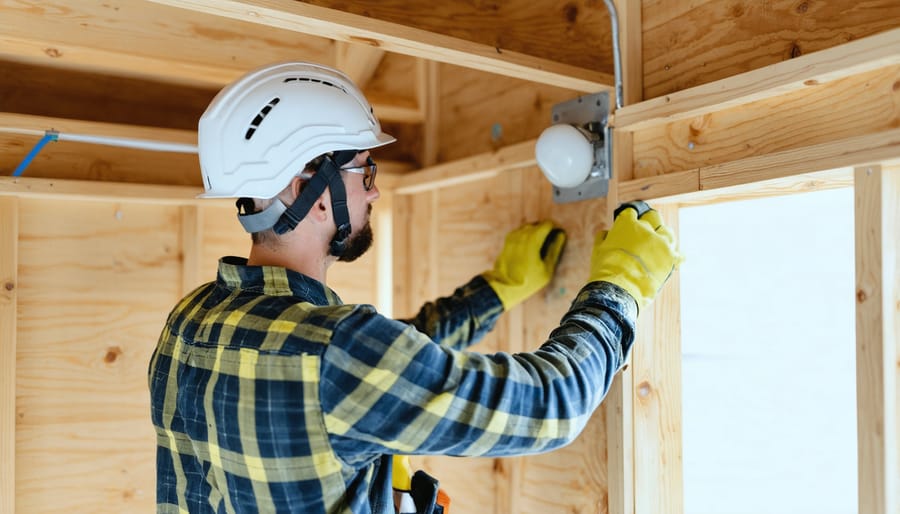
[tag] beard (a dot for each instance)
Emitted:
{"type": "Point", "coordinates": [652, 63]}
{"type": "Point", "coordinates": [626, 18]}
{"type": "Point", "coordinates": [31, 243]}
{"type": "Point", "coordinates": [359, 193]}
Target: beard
{"type": "Point", "coordinates": [358, 244]}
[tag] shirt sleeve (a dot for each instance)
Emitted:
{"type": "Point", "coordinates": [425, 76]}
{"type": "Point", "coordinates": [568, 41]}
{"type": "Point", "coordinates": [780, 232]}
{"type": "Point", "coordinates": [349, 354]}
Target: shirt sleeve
{"type": "Point", "coordinates": [462, 319]}
{"type": "Point", "coordinates": [387, 388]}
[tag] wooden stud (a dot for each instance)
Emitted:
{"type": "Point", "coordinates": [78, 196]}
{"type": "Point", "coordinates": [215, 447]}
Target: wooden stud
{"type": "Point", "coordinates": [9, 244]}
{"type": "Point", "coordinates": [428, 98]}
{"type": "Point", "coordinates": [619, 409]}
{"type": "Point", "coordinates": [658, 481]}
{"type": "Point", "coordinates": [619, 403]}
{"type": "Point", "coordinates": [877, 205]}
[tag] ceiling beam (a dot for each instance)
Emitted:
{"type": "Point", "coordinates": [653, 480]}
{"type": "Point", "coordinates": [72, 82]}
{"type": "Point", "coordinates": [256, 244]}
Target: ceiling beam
{"type": "Point", "coordinates": [180, 47]}
{"type": "Point", "coordinates": [320, 21]}
{"type": "Point", "coordinates": [808, 71]}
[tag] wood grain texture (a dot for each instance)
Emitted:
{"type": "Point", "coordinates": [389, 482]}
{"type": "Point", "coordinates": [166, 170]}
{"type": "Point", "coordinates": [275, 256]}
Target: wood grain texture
{"type": "Point", "coordinates": [9, 282]}
{"type": "Point", "coordinates": [27, 187]}
{"type": "Point", "coordinates": [877, 223]}
{"type": "Point", "coordinates": [479, 115]}
{"type": "Point", "coordinates": [689, 43]}
{"type": "Point", "coordinates": [66, 160]}
{"type": "Point", "coordinates": [97, 280]}
{"type": "Point", "coordinates": [855, 106]}
{"type": "Point", "coordinates": [656, 364]}
{"type": "Point", "coordinates": [853, 58]}
{"type": "Point", "coordinates": [191, 241]}
{"type": "Point", "coordinates": [117, 37]}
{"type": "Point", "coordinates": [414, 41]}
{"type": "Point", "coordinates": [89, 96]}
{"type": "Point", "coordinates": [359, 61]}
{"type": "Point", "coordinates": [572, 32]}
{"type": "Point", "coordinates": [464, 241]}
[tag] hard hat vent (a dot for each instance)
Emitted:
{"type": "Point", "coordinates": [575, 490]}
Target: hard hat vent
{"type": "Point", "coordinates": [317, 81]}
{"type": "Point", "coordinates": [260, 116]}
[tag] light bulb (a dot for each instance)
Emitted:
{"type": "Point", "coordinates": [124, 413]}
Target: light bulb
{"type": "Point", "coordinates": [565, 155]}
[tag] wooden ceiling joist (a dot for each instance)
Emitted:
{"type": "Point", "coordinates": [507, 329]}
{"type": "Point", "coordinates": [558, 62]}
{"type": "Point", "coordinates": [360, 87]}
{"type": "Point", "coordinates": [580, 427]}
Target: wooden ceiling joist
{"type": "Point", "coordinates": [181, 47]}
{"type": "Point", "coordinates": [340, 25]}
{"type": "Point", "coordinates": [853, 58]}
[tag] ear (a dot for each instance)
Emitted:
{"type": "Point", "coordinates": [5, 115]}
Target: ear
{"type": "Point", "coordinates": [296, 186]}
{"type": "Point", "coordinates": [321, 210]}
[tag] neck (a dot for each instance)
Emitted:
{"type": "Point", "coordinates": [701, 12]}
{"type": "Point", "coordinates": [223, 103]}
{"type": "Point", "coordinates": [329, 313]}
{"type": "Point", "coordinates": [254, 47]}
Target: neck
{"type": "Point", "coordinates": [288, 252]}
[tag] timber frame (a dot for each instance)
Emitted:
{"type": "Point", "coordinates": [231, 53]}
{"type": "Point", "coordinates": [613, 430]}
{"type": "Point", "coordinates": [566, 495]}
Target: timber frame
{"type": "Point", "coordinates": [734, 125]}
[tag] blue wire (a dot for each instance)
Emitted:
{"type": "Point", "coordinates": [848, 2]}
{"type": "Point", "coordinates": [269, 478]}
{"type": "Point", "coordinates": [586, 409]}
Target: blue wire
{"type": "Point", "coordinates": [48, 136]}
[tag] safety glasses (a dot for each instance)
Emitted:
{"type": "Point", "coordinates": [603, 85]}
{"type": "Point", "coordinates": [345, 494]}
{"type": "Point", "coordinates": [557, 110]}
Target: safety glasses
{"type": "Point", "coordinates": [368, 172]}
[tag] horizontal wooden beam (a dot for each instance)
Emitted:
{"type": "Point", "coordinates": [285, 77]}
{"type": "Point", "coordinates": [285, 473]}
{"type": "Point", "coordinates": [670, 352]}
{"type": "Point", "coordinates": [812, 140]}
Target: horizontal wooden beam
{"type": "Point", "coordinates": [813, 70]}
{"type": "Point", "coordinates": [765, 175]}
{"type": "Point", "coordinates": [343, 26]}
{"type": "Point", "coordinates": [790, 170]}
{"type": "Point", "coordinates": [853, 151]}
{"type": "Point", "coordinates": [471, 169]}
{"type": "Point", "coordinates": [26, 124]}
{"type": "Point", "coordinates": [88, 190]}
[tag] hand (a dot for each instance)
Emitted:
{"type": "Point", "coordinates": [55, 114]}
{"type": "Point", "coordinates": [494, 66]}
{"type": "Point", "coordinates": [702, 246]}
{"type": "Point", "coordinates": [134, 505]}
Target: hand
{"type": "Point", "coordinates": [527, 262]}
{"type": "Point", "coordinates": [637, 255]}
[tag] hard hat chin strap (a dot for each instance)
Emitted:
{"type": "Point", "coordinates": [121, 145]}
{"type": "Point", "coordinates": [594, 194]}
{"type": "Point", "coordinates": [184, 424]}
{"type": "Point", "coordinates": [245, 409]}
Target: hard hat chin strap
{"type": "Point", "coordinates": [327, 175]}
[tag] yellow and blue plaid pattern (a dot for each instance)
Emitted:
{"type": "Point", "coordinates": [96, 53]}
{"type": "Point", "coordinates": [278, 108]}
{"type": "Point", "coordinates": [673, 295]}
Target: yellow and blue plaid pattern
{"type": "Point", "coordinates": [269, 395]}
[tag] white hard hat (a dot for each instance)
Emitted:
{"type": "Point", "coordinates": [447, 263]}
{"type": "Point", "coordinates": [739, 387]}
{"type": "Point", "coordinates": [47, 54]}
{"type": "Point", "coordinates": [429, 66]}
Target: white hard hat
{"type": "Point", "coordinates": [260, 131]}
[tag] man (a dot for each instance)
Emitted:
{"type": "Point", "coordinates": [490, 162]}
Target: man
{"type": "Point", "coordinates": [270, 395]}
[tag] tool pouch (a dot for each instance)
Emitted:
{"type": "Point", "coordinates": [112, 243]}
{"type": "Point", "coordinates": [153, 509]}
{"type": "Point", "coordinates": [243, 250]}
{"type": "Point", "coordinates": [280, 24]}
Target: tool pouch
{"type": "Point", "coordinates": [428, 496]}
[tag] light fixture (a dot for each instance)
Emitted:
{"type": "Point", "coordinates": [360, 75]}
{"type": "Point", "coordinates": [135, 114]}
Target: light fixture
{"type": "Point", "coordinates": [575, 153]}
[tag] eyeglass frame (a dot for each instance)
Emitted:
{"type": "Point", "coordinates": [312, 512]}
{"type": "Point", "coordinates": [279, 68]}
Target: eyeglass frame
{"type": "Point", "coordinates": [368, 179]}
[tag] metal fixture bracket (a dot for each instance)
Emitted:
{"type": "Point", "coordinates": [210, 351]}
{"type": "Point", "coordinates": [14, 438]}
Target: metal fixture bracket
{"type": "Point", "coordinates": [591, 113]}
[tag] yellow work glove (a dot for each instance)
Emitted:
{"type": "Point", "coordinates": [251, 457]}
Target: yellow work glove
{"type": "Point", "coordinates": [637, 255]}
{"type": "Point", "coordinates": [401, 474]}
{"type": "Point", "coordinates": [526, 263]}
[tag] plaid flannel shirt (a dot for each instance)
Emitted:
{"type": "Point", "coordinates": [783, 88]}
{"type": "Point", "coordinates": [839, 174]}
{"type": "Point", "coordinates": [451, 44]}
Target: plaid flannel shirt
{"type": "Point", "coordinates": [270, 395]}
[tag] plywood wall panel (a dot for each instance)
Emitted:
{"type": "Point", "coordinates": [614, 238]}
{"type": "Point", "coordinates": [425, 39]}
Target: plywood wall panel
{"type": "Point", "coordinates": [691, 42]}
{"type": "Point", "coordinates": [573, 478]}
{"type": "Point", "coordinates": [222, 235]}
{"type": "Point", "coordinates": [479, 115]}
{"type": "Point", "coordinates": [473, 221]}
{"type": "Point", "coordinates": [857, 105]}
{"type": "Point", "coordinates": [97, 280]}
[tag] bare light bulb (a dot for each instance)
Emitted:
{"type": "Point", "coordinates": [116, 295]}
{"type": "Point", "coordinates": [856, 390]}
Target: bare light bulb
{"type": "Point", "coordinates": [565, 155]}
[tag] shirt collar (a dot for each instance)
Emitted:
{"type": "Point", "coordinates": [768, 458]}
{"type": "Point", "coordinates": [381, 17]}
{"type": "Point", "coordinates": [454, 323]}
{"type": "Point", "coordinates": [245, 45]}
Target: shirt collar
{"type": "Point", "coordinates": [234, 273]}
